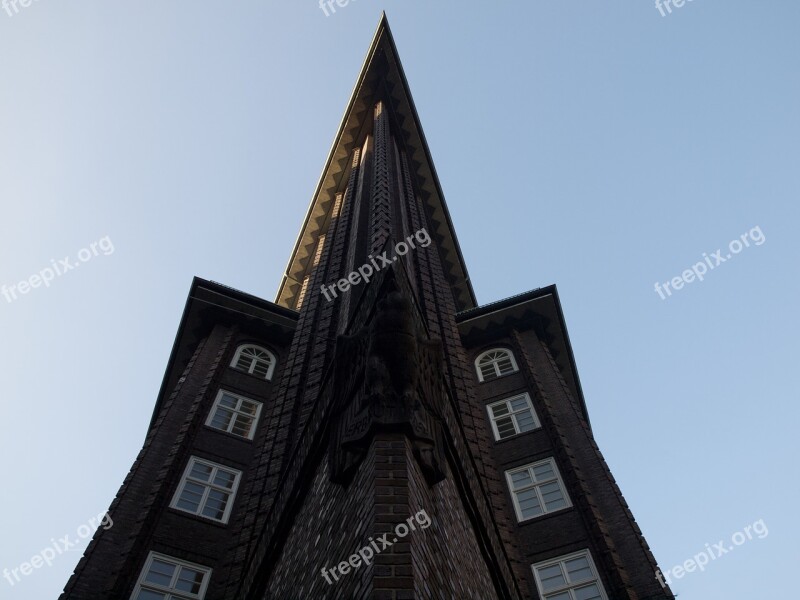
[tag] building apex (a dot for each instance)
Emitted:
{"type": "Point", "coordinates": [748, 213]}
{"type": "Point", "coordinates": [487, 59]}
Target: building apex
{"type": "Point", "coordinates": [382, 76]}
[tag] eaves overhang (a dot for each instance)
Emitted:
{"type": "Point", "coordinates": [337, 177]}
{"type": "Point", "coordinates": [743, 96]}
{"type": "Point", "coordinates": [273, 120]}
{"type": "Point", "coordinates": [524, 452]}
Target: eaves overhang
{"type": "Point", "coordinates": [208, 304]}
{"type": "Point", "coordinates": [537, 307]}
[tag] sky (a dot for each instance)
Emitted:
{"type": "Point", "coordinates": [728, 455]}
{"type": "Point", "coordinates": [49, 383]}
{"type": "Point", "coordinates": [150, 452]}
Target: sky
{"type": "Point", "coordinates": [599, 146]}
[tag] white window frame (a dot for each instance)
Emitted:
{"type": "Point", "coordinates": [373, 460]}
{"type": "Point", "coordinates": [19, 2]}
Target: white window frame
{"type": "Point", "coordinates": [570, 586]}
{"type": "Point", "coordinates": [236, 411]}
{"type": "Point", "coordinates": [513, 414]}
{"type": "Point", "coordinates": [208, 486]}
{"type": "Point", "coordinates": [535, 486]}
{"type": "Point", "coordinates": [242, 348]}
{"type": "Point", "coordinates": [483, 354]}
{"type": "Point", "coordinates": [172, 593]}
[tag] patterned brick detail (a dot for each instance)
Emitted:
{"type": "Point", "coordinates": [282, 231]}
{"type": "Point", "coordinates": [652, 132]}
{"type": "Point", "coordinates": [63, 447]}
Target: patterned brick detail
{"type": "Point", "coordinates": [298, 387]}
{"type": "Point", "coordinates": [380, 221]}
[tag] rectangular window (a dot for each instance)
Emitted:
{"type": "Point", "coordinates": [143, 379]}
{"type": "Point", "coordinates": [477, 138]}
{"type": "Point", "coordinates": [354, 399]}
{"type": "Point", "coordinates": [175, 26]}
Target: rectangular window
{"type": "Point", "coordinates": [207, 490]}
{"type": "Point", "coordinates": [512, 416]}
{"type": "Point", "coordinates": [234, 414]}
{"type": "Point", "coordinates": [572, 577]}
{"type": "Point", "coordinates": [167, 578]}
{"type": "Point", "coordinates": [537, 489]}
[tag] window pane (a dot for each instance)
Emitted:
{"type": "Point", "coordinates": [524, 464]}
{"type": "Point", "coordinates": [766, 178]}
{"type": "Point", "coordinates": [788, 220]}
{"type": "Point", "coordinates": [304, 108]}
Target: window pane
{"type": "Point", "coordinates": [150, 595]}
{"type": "Point", "coordinates": [504, 365]}
{"type": "Point", "coordinates": [189, 580]}
{"type": "Point", "coordinates": [555, 504]}
{"type": "Point", "coordinates": [228, 401]}
{"type": "Point", "coordinates": [553, 497]}
{"type": "Point", "coordinates": [191, 496]}
{"type": "Point", "coordinates": [200, 471]}
{"type": "Point", "coordinates": [160, 573]}
{"type": "Point", "coordinates": [498, 410]}
{"type": "Point", "coordinates": [505, 427]}
{"type": "Point", "coordinates": [224, 479]}
{"type": "Point", "coordinates": [261, 368]}
{"type": "Point", "coordinates": [590, 592]}
{"type": "Point", "coordinates": [544, 472]}
{"type": "Point", "coordinates": [254, 352]}
{"type": "Point", "coordinates": [578, 569]}
{"type": "Point", "coordinates": [529, 504]}
{"type": "Point", "coordinates": [525, 421]}
{"type": "Point", "coordinates": [559, 596]}
{"type": "Point", "coordinates": [548, 489]}
{"type": "Point", "coordinates": [487, 359]}
{"type": "Point", "coordinates": [215, 505]}
{"type": "Point", "coordinates": [488, 371]}
{"type": "Point", "coordinates": [248, 408]}
{"type": "Point", "coordinates": [520, 479]}
{"type": "Point", "coordinates": [519, 404]}
{"type": "Point", "coordinates": [222, 419]}
{"type": "Point", "coordinates": [242, 426]}
{"type": "Point", "coordinates": [218, 495]}
{"type": "Point", "coordinates": [552, 577]}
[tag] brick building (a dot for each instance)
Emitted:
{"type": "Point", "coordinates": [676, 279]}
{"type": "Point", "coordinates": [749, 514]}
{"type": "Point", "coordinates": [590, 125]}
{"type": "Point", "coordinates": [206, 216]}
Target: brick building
{"type": "Point", "coordinates": [374, 433]}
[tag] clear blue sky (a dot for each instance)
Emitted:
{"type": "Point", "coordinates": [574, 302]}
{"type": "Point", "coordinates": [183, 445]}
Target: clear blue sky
{"type": "Point", "coordinates": [595, 145]}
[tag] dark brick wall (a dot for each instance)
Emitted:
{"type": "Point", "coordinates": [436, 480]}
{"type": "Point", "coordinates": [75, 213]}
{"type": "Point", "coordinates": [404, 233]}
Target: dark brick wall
{"type": "Point", "coordinates": [289, 521]}
{"type": "Point", "coordinates": [143, 521]}
{"type": "Point", "coordinates": [441, 561]}
{"type": "Point", "coordinates": [333, 523]}
{"type": "Point", "coordinates": [370, 199]}
{"type": "Point", "coordinates": [446, 556]}
{"type": "Point", "coordinates": [599, 519]}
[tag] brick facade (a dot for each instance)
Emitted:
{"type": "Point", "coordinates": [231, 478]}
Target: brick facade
{"type": "Point", "coordinates": [374, 414]}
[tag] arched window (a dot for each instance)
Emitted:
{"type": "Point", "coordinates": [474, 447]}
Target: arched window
{"type": "Point", "coordinates": [495, 363]}
{"type": "Point", "coordinates": [255, 360]}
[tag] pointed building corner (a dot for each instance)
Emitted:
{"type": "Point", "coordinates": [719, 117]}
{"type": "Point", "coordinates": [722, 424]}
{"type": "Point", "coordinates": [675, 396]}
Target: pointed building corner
{"type": "Point", "coordinates": [381, 77]}
{"type": "Point", "coordinates": [373, 403]}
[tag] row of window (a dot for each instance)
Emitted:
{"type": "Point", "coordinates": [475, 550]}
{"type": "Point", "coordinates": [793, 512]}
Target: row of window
{"type": "Point", "coordinates": [260, 362]}
{"type": "Point", "coordinates": [208, 489]}
{"type": "Point", "coordinates": [238, 415]}
{"type": "Point", "coordinates": [571, 577]}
